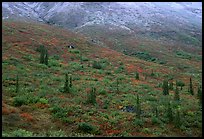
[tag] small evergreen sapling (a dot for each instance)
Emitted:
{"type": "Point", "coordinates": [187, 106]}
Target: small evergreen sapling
{"type": "Point", "coordinates": [199, 95]}
{"type": "Point", "coordinates": [66, 85]}
{"type": "Point", "coordinates": [17, 85]}
{"type": "Point", "coordinates": [137, 75]}
{"type": "Point", "coordinates": [191, 87]}
{"type": "Point", "coordinates": [165, 87]}
{"type": "Point", "coordinates": [177, 97]}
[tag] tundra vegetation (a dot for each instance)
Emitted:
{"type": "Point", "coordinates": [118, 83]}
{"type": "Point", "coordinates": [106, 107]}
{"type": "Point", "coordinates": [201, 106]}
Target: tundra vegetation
{"type": "Point", "coordinates": [92, 90]}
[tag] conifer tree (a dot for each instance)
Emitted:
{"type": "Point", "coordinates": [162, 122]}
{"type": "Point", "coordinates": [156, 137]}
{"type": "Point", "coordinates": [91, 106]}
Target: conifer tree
{"type": "Point", "coordinates": [17, 85]}
{"type": "Point", "coordinates": [191, 87]}
{"type": "Point", "coordinates": [137, 75]}
{"type": "Point", "coordinates": [117, 85]}
{"type": "Point", "coordinates": [46, 57]}
{"type": "Point", "coordinates": [177, 119]}
{"type": "Point", "coordinates": [171, 86]}
{"type": "Point", "coordinates": [177, 97]}
{"type": "Point", "coordinates": [42, 54]}
{"type": "Point", "coordinates": [138, 107]}
{"type": "Point", "coordinates": [180, 83]}
{"type": "Point", "coordinates": [169, 112]}
{"type": "Point", "coordinates": [199, 95]}
{"type": "Point", "coordinates": [70, 81]}
{"type": "Point", "coordinates": [66, 86]}
{"type": "Point", "coordinates": [156, 112]}
{"type": "Point", "coordinates": [165, 88]}
{"type": "Point", "coordinates": [92, 96]}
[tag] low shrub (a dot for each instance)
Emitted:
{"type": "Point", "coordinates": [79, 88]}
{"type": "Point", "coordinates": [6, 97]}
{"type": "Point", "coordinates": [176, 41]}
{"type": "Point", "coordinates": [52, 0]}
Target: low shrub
{"type": "Point", "coordinates": [86, 127]}
{"type": "Point", "coordinates": [97, 65]}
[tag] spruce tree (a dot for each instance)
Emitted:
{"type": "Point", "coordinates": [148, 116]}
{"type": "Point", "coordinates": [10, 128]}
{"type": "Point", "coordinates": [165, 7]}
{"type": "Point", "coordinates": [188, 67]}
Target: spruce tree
{"type": "Point", "coordinates": [42, 54]}
{"type": "Point", "coordinates": [66, 85]}
{"type": "Point", "coordinates": [46, 57]}
{"type": "Point", "coordinates": [177, 97]}
{"type": "Point", "coordinates": [177, 119]}
{"type": "Point", "coordinates": [70, 81]}
{"type": "Point", "coordinates": [17, 85]}
{"type": "Point", "coordinates": [137, 75]}
{"type": "Point", "coordinates": [92, 96]}
{"type": "Point", "coordinates": [138, 107]}
{"type": "Point", "coordinates": [165, 88]}
{"type": "Point", "coordinates": [171, 86]}
{"type": "Point", "coordinates": [191, 87]}
{"type": "Point", "coordinates": [169, 112]}
{"type": "Point", "coordinates": [117, 85]}
{"type": "Point", "coordinates": [199, 95]}
{"type": "Point", "coordinates": [156, 112]}
{"type": "Point", "coordinates": [180, 83]}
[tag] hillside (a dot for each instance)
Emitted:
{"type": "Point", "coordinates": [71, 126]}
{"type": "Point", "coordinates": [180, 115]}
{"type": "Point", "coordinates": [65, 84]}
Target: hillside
{"type": "Point", "coordinates": [41, 108]}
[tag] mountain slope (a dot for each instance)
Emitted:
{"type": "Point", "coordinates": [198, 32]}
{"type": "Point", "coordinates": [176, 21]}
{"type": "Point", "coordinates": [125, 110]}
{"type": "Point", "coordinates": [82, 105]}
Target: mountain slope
{"type": "Point", "coordinates": [40, 108]}
{"type": "Point", "coordinates": [134, 17]}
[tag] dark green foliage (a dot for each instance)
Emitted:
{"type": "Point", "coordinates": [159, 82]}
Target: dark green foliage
{"type": "Point", "coordinates": [85, 127]}
{"type": "Point", "coordinates": [177, 120]}
{"type": "Point", "coordinates": [165, 87]}
{"type": "Point", "coordinates": [177, 97]}
{"type": "Point", "coordinates": [43, 55]}
{"type": "Point", "coordinates": [17, 85]}
{"type": "Point", "coordinates": [46, 57]}
{"type": "Point", "coordinates": [117, 85]}
{"type": "Point", "coordinates": [138, 122]}
{"type": "Point", "coordinates": [137, 75]}
{"type": "Point", "coordinates": [169, 112]}
{"type": "Point", "coordinates": [156, 112]}
{"type": "Point", "coordinates": [96, 65]}
{"type": "Point", "coordinates": [191, 87]}
{"type": "Point", "coordinates": [20, 100]}
{"type": "Point", "coordinates": [155, 120]}
{"type": "Point", "coordinates": [199, 94]}
{"type": "Point", "coordinates": [138, 107]}
{"type": "Point", "coordinates": [59, 112]}
{"type": "Point", "coordinates": [171, 87]}
{"type": "Point", "coordinates": [92, 96]}
{"type": "Point", "coordinates": [66, 85]}
{"type": "Point", "coordinates": [180, 83]}
{"type": "Point", "coordinates": [145, 56]}
{"type": "Point", "coordinates": [70, 81]}
{"type": "Point", "coordinates": [152, 73]}
{"type": "Point", "coordinates": [106, 104]}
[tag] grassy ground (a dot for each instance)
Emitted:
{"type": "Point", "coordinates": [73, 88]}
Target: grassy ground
{"type": "Point", "coordinates": [40, 108]}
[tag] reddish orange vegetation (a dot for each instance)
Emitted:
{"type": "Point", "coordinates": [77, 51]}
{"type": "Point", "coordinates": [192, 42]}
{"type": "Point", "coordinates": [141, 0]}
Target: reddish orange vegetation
{"type": "Point", "coordinates": [99, 77]}
{"type": "Point", "coordinates": [42, 106]}
{"type": "Point", "coordinates": [27, 116]}
{"type": "Point", "coordinates": [113, 132]}
{"type": "Point", "coordinates": [5, 111]}
{"type": "Point", "coordinates": [62, 96]}
{"type": "Point", "coordinates": [130, 68]}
